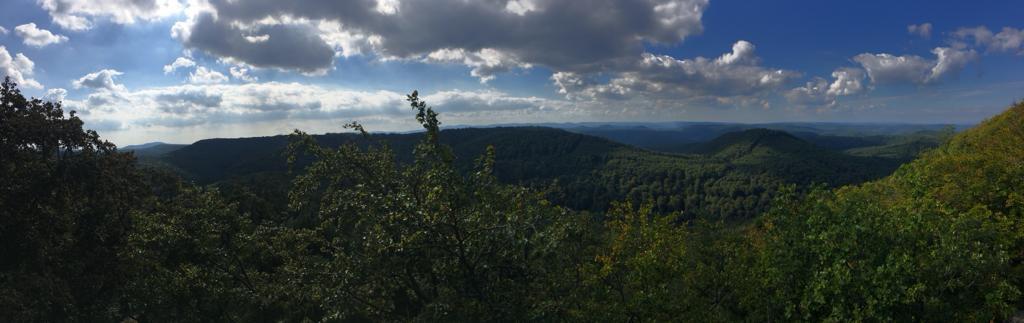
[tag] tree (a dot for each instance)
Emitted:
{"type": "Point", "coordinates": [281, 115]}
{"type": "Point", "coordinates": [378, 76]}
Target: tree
{"type": "Point", "coordinates": [649, 268]}
{"type": "Point", "coordinates": [938, 240]}
{"type": "Point", "coordinates": [423, 242]}
{"type": "Point", "coordinates": [65, 201]}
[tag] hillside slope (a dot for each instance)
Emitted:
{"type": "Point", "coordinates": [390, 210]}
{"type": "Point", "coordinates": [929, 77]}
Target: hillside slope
{"type": "Point", "coordinates": [690, 137]}
{"type": "Point", "coordinates": [938, 240]}
{"type": "Point", "coordinates": [579, 171]}
{"type": "Point", "coordinates": [153, 149]}
{"type": "Point", "coordinates": [798, 160]}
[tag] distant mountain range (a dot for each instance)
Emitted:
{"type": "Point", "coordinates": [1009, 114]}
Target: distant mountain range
{"type": "Point", "coordinates": [700, 170]}
{"type": "Point", "coordinates": [152, 149]}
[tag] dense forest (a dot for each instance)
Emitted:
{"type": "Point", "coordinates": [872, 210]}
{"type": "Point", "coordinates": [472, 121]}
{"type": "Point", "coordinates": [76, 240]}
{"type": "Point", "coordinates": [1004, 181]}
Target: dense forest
{"type": "Point", "coordinates": [686, 137]}
{"type": "Point", "coordinates": [510, 224]}
{"type": "Point", "coordinates": [732, 177]}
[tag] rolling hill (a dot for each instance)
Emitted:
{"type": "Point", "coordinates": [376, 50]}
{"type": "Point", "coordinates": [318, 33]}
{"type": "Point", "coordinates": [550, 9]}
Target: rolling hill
{"type": "Point", "coordinates": [686, 137]}
{"type": "Point", "coordinates": [937, 240]}
{"type": "Point", "coordinates": [152, 149]}
{"type": "Point", "coordinates": [734, 176]}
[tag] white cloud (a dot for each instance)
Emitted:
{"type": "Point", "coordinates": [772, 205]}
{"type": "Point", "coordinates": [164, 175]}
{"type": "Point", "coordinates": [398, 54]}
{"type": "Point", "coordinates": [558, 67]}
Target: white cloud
{"type": "Point", "coordinates": [387, 7]}
{"type": "Point", "coordinates": [490, 36]}
{"type": "Point", "coordinates": [55, 94]}
{"type": "Point", "coordinates": [521, 7]}
{"type": "Point", "coordinates": [742, 52]}
{"type": "Point", "coordinates": [735, 74]}
{"type": "Point", "coordinates": [3, 31]}
{"type": "Point", "coordinates": [180, 62]}
{"type": "Point", "coordinates": [203, 75]}
{"type": "Point", "coordinates": [347, 43]}
{"type": "Point", "coordinates": [888, 68]}
{"type": "Point", "coordinates": [485, 63]}
{"type": "Point", "coordinates": [822, 93]}
{"type": "Point", "coordinates": [923, 30]}
{"type": "Point", "coordinates": [1008, 40]}
{"type": "Point", "coordinates": [814, 92]}
{"type": "Point", "coordinates": [569, 83]}
{"type": "Point", "coordinates": [19, 68]}
{"type": "Point", "coordinates": [848, 81]}
{"type": "Point", "coordinates": [78, 15]}
{"type": "Point", "coordinates": [190, 105]}
{"type": "Point", "coordinates": [100, 80]}
{"type": "Point", "coordinates": [241, 73]}
{"type": "Point", "coordinates": [950, 62]}
{"type": "Point", "coordinates": [455, 101]}
{"type": "Point", "coordinates": [36, 37]}
{"type": "Point", "coordinates": [257, 39]}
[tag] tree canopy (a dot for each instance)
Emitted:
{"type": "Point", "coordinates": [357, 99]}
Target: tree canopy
{"type": "Point", "coordinates": [353, 234]}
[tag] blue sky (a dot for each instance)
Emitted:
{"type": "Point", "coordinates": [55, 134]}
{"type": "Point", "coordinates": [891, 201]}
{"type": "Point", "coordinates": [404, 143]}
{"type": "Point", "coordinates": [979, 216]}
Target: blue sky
{"type": "Point", "coordinates": [264, 67]}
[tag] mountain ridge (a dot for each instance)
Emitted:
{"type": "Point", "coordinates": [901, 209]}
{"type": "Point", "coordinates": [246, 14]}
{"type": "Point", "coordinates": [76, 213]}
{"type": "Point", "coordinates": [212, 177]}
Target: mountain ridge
{"type": "Point", "coordinates": [579, 171]}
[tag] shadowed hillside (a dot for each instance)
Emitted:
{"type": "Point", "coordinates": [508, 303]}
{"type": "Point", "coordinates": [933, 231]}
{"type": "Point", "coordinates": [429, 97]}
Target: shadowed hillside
{"type": "Point", "coordinates": [734, 176]}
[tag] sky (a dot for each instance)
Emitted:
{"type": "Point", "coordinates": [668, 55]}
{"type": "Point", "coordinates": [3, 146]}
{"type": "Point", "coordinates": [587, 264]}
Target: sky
{"type": "Point", "coordinates": [183, 70]}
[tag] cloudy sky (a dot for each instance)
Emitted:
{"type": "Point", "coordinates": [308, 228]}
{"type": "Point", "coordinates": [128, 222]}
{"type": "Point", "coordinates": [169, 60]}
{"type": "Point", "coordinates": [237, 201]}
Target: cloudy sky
{"type": "Point", "coordinates": [183, 70]}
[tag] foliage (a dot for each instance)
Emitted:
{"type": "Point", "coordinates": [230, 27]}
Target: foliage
{"type": "Point", "coordinates": [196, 258]}
{"type": "Point", "coordinates": [938, 240]}
{"type": "Point", "coordinates": [649, 269]}
{"type": "Point", "coordinates": [422, 242]}
{"type": "Point", "coordinates": [65, 199]}
{"type": "Point", "coordinates": [735, 179]}
{"type": "Point", "coordinates": [360, 232]}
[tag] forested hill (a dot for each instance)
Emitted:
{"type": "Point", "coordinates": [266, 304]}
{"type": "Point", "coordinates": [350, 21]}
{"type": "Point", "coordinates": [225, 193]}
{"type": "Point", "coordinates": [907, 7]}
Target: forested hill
{"type": "Point", "coordinates": [741, 143]}
{"type": "Point", "coordinates": [90, 236]}
{"type": "Point", "coordinates": [734, 177]}
{"type": "Point", "coordinates": [687, 137]}
{"type": "Point", "coordinates": [527, 152]}
{"type": "Point", "coordinates": [939, 240]}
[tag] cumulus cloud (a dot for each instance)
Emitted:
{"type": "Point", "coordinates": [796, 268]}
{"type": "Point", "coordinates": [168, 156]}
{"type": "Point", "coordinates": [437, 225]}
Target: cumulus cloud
{"type": "Point", "coordinates": [887, 68]}
{"type": "Point", "coordinates": [288, 46]}
{"type": "Point", "coordinates": [36, 37]}
{"type": "Point", "coordinates": [485, 63]}
{"type": "Point", "coordinates": [822, 93]}
{"type": "Point", "coordinates": [189, 105]}
{"type": "Point", "coordinates": [19, 68]}
{"type": "Point", "coordinates": [100, 80]}
{"type": "Point", "coordinates": [347, 43]}
{"type": "Point", "coordinates": [848, 81]}
{"type": "Point", "coordinates": [923, 30]}
{"type": "Point", "coordinates": [949, 62]}
{"type": "Point", "coordinates": [734, 74]}
{"type": "Point", "coordinates": [180, 62]}
{"type": "Point", "coordinates": [487, 36]}
{"type": "Point", "coordinates": [570, 83]}
{"type": "Point", "coordinates": [241, 73]}
{"type": "Point", "coordinates": [3, 31]}
{"type": "Point", "coordinates": [814, 92]}
{"type": "Point", "coordinates": [203, 75]}
{"type": "Point", "coordinates": [486, 101]}
{"type": "Point", "coordinates": [1008, 40]}
{"type": "Point", "coordinates": [521, 7]}
{"type": "Point", "coordinates": [78, 15]}
{"type": "Point", "coordinates": [55, 94]}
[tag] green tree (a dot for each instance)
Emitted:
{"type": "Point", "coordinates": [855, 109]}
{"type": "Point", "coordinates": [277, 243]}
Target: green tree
{"type": "Point", "coordinates": [938, 240]}
{"type": "Point", "coordinates": [423, 242]}
{"type": "Point", "coordinates": [194, 257]}
{"type": "Point", "coordinates": [648, 268]}
{"type": "Point", "coordinates": [65, 202]}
